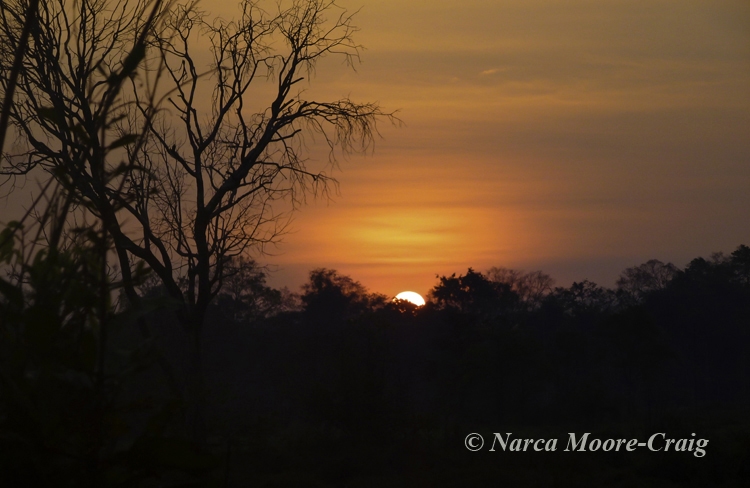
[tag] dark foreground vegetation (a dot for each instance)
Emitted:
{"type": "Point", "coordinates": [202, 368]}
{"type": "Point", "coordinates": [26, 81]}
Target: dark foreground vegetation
{"type": "Point", "coordinates": [341, 387]}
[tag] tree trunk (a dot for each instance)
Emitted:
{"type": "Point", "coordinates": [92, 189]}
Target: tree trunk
{"type": "Point", "coordinates": [195, 391]}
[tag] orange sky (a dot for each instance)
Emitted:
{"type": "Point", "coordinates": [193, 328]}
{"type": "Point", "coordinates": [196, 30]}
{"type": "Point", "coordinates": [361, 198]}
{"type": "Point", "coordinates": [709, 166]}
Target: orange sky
{"type": "Point", "coordinates": [576, 137]}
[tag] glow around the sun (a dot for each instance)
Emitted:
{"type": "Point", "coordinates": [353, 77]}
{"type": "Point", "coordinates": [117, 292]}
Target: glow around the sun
{"type": "Point", "coordinates": [412, 297]}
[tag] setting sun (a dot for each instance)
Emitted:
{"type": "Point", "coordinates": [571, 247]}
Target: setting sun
{"type": "Point", "coordinates": [412, 297]}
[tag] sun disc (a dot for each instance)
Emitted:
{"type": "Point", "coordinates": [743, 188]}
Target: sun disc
{"type": "Point", "coordinates": [412, 297]}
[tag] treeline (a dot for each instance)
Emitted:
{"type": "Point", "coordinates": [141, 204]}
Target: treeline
{"type": "Point", "coordinates": [338, 386]}
{"type": "Point", "coordinates": [501, 346]}
{"type": "Point", "coordinates": [336, 365]}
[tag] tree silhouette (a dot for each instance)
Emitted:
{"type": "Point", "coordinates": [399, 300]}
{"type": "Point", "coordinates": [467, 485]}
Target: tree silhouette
{"type": "Point", "coordinates": [531, 287]}
{"type": "Point", "coordinates": [245, 296]}
{"type": "Point", "coordinates": [200, 181]}
{"type": "Point", "coordinates": [472, 293]}
{"type": "Point", "coordinates": [740, 262]}
{"type": "Point", "coordinates": [584, 303]}
{"type": "Point", "coordinates": [650, 276]}
{"type": "Point", "coordinates": [331, 297]}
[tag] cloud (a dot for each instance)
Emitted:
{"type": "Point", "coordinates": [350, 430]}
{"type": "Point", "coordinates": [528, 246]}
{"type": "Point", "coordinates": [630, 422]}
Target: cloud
{"type": "Point", "coordinates": [489, 72]}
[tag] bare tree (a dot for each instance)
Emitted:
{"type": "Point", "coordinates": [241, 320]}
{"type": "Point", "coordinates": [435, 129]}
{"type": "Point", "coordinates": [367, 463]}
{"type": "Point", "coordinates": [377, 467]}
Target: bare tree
{"type": "Point", "coordinates": [531, 287]}
{"type": "Point", "coordinates": [18, 52]}
{"type": "Point", "coordinates": [653, 275]}
{"type": "Point", "coordinates": [213, 171]}
{"type": "Point", "coordinates": [194, 185]}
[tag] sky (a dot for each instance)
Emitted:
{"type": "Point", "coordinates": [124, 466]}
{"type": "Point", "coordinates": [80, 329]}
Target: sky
{"type": "Point", "coordinates": [576, 137]}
